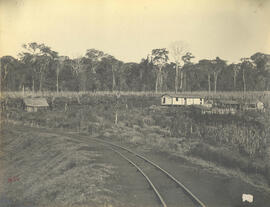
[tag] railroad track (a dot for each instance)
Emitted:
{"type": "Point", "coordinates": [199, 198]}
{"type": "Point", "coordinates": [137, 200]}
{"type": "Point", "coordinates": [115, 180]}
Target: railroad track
{"type": "Point", "coordinates": [169, 190]}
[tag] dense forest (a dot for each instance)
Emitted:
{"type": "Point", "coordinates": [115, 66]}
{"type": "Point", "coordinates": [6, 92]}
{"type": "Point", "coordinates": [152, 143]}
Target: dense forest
{"type": "Point", "coordinates": [39, 68]}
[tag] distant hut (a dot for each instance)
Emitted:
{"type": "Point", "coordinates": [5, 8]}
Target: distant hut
{"type": "Point", "coordinates": [35, 104]}
{"type": "Point", "coordinates": [166, 100]}
{"type": "Point", "coordinates": [228, 104]}
{"type": "Point", "coordinates": [253, 105]}
{"type": "Point", "coordinates": [208, 104]}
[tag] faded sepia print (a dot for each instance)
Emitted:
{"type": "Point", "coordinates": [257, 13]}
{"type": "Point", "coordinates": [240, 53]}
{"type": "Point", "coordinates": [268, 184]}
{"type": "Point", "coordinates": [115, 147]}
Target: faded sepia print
{"type": "Point", "coordinates": [135, 103]}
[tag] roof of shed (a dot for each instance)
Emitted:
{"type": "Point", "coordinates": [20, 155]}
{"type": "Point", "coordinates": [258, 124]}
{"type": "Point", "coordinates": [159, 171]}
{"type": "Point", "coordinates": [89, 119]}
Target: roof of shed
{"type": "Point", "coordinates": [181, 96]}
{"type": "Point", "coordinates": [252, 101]}
{"type": "Point", "coordinates": [167, 95]}
{"type": "Point", "coordinates": [228, 102]}
{"type": "Point", "coordinates": [36, 102]}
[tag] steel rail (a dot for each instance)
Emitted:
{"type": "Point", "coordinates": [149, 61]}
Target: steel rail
{"type": "Point", "coordinates": [186, 190]}
{"type": "Point", "coordinates": [146, 177]}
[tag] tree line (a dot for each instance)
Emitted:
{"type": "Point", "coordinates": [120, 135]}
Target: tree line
{"type": "Point", "coordinates": [39, 68]}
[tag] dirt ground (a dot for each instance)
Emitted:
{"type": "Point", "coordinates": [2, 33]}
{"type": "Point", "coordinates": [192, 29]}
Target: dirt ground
{"type": "Point", "coordinates": [43, 167]}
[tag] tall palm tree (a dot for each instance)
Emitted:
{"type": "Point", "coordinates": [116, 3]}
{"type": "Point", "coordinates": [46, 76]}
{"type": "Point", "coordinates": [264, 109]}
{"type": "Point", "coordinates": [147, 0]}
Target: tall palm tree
{"type": "Point", "coordinates": [177, 50]}
{"type": "Point", "coordinates": [38, 58]}
{"type": "Point", "coordinates": [207, 66]}
{"type": "Point", "coordinates": [246, 64]}
{"type": "Point", "coordinates": [159, 59]}
{"type": "Point", "coordinates": [60, 64]}
{"type": "Point", "coordinates": [218, 66]}
{"type": "Point", "coordinates": [236, 68]}
{"type": "Point", "coordinates": [187, 65]}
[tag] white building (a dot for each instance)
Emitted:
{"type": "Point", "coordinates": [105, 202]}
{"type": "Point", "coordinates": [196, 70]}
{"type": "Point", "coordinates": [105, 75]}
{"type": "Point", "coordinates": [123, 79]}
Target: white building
{"type": "Point", "coordinates": [169, 100]}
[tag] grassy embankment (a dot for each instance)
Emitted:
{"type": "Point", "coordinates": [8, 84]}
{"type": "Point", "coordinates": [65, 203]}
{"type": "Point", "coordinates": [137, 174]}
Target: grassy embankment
{"type": "Point", "coordinates": [46, 169]}
{"type": "Point", "coordinates": [236, 142]}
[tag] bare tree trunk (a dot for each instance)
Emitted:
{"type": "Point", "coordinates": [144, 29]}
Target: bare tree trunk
{"type": "Point", "coordinates": [21, 82]}
{"type": "Point", "coordinates": [215, 80]}
{"type": "Point", "coordinates": [141, 74]}
{"type": "Point", "coordinates": [57, 80]}
{"type": "Point", "coordinates": [33, 84]}
{"type": "Point", "coordinates": [40, 81]}
{"type": "Point", "coordinates": [185, 81]}
{"type": "Point", "coordinates": [4, 83]}
{"type": "Point", "coordinates": [181, 79]}
{"type": "Point", "coordinates": [113, 79]}
{"type": "Point", "coordinates": [157, 80]}
{"type": "Point", "coordinates": [141, 78]}
{"type": "Point", "coordinates": [0, 80]}
{"type": "Point", "coordinates": [161, 80]}
{"type": "Point", "coordinates": [176, 78]}
{"type": "Point", "coordinates": [209, 83]}
{"type": "Point", "coordinates": [82, 81]}
{"type": "Point", "coordinates": [244, 81]}
{"type": "Point", "coordinates": [116, 118]}
{"type": "Point", "coordinates": [234, 80]}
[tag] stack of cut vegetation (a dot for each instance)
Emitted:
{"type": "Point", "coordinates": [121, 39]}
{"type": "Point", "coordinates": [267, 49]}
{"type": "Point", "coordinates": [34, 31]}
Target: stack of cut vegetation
{"type": "Point", "coordinates": [42, 169]}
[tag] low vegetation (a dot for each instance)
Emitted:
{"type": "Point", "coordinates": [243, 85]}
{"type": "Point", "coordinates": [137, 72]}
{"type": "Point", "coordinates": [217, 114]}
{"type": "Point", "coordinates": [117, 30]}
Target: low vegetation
{"type": "Point", "coordinates": [238, 141]}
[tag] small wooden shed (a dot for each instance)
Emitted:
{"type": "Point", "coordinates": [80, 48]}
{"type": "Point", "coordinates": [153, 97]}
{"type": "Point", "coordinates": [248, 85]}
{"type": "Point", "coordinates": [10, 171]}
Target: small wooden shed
{"type": "Point", "coordinates": [35, 104]}
{"type": "Point", "coordinates": [166, 100]}
{"type": "Point", "coordinates": [253, 105]}
{"type": "Point", "coordinates": [228, 104]}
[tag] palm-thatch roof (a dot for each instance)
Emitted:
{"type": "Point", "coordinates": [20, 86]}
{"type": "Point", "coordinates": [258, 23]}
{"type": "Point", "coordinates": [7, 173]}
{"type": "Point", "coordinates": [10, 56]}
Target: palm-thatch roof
{"type": "Point", "coordinates": [36, 102]}
{"type": "Point", "coordinates": [229, 102]}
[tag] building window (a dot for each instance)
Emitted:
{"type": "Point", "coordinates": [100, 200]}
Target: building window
{"type": "Point", "coordinates": [176, 98]}
{"type": "Point", "coordinates": [201, 101]}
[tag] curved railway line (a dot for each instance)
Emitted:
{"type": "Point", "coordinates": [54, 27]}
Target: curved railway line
{"type": "Point", "coordinates": [169, 190]}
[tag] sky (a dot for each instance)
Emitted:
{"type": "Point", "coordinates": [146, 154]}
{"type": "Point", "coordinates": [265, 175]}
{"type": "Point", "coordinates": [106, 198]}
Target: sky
{"type": "Point", "coordinates": [130, 29]}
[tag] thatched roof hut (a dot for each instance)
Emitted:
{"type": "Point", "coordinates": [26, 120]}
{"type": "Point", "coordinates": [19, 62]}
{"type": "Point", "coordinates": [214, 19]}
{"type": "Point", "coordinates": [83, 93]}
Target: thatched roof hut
{"type": "Point", "coordinates": [33, 104]}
